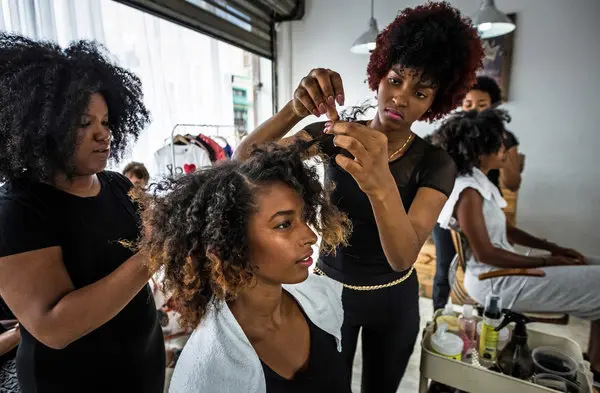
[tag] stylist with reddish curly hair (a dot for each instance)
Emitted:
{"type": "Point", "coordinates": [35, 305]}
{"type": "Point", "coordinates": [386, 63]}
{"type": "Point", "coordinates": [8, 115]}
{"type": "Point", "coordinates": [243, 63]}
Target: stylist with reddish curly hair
{"type": "Point", "coordinates": [389, 182]}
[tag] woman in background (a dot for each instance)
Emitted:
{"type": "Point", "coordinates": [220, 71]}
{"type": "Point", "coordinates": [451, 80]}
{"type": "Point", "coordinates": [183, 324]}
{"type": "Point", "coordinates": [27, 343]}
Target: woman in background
{"type": "Point", "coordinates": [476, 143]}
{"type": "Point", "coordinates": [394, 189]}
{"type": "Point", "coordinates": [485, 94]}
{"type": "Point", "coordinates": [137, 174]}
{"type": "Point", "coordinates": [87, 319]}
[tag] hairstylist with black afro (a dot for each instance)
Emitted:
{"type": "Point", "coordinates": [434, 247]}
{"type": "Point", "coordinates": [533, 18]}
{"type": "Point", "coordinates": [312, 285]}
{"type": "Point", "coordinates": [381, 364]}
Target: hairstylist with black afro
{"type": "Point", "coordinates": [88, 321]}
{"type": "Point", "coordinates": [394, 188]}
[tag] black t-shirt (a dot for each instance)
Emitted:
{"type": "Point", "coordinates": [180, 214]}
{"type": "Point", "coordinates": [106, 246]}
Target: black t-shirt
{"type": "Point", "coordinates": [326, 371]}
{"type": "Point", "coordinates": [510, 141]}
{"type": "Point", "coordinates": [126, 353]}
{"type": "Point", "coordinates": [363, 262]}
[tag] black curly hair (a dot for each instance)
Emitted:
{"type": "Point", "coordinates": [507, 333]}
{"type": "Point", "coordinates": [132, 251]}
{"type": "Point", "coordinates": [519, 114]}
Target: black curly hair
{"type": "Point", "coordinates": [198, 231]}
{"type": "Point", "coordinates": [44, 91]}
{"type": "Point", "coordinates": [438, 41]}
{"type": "Point", "coordinates": [468, 135]}
{"type": "Point", "coordinates": [488, 85]}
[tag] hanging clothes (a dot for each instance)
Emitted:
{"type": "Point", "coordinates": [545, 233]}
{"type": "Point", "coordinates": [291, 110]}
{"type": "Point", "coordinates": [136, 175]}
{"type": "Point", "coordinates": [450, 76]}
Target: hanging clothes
{"type": "Point", "coordinates": [188, 158]}
{"type": "Point", "coordinates": [228, 151]}
{"type": "Point", "coordinates": [224, 144]}
{"type": "Point", "coordinates": [219, 152]}
{"type": "Point", "coordinates": [199, 141]}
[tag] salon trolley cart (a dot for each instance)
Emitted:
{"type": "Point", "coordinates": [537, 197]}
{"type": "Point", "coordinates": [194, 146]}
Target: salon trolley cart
{"type": "Point", "coordinates": [473, 378]}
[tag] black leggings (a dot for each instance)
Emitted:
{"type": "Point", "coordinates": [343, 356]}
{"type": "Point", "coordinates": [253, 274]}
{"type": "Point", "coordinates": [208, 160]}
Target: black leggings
{"type": "Point", "coordinates": [389, 319]}
{"type": "Point", "coordinates": [444, 254]}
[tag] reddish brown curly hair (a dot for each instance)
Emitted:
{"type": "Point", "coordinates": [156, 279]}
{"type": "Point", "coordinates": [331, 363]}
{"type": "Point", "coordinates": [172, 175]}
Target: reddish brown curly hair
{"type": "Point", "coordinates": [437, 40]}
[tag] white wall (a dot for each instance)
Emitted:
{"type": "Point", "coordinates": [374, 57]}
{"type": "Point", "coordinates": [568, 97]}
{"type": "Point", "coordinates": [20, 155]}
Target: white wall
{"type": "Point", "coordinates": [553, 97]}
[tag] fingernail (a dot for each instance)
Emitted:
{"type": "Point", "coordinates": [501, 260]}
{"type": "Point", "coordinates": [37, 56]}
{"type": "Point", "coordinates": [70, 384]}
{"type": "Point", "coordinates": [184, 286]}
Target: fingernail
{"type": "Point", "coordinates": [322, 108]}
{"type": "Point", "coordinates": [331, 101]}
{"type": "Point", "coordinates": [340, 99]}
{"type": "Point", "coordinates": [316, 113]}
{"type": "Point", "coordinates": [327, 130]}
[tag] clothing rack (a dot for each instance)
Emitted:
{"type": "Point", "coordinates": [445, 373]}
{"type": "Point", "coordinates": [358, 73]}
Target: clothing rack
{"type": "Point", "coordinates": [215, 126]}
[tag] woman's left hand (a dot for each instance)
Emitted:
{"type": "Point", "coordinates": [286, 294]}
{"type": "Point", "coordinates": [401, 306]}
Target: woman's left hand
{"type": "Point", "coordinates": [370, 166]}
{"type": "Point", "coordinates": [569, 253]}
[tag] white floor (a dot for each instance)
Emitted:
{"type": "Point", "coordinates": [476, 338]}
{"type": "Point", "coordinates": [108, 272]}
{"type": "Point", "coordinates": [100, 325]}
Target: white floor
{"type": "Point", "coordinates": [577, 329]}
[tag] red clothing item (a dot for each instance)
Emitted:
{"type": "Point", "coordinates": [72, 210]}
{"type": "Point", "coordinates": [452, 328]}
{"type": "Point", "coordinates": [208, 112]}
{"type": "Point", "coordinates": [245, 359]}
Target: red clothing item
{"type": "Point", "coordinates": [219, 152]}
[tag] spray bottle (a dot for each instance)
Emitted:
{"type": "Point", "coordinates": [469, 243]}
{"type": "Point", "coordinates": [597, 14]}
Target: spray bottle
{"type": "Point", "coordinates": [488, 341]}
{"type": "Point", "coordinates": [515, 359]}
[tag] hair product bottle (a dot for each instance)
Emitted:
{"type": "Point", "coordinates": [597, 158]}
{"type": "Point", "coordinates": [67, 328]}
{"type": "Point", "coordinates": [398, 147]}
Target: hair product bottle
{"type": "Point", "coordinates": [488, 341]}
{"type": "Point", "coordinates": [467, 330]}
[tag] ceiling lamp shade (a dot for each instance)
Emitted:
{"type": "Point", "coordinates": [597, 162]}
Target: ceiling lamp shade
{"type": "Point", "coordinates": [491, 22]}
{"type": "Point", "coordinates": [366, 42]}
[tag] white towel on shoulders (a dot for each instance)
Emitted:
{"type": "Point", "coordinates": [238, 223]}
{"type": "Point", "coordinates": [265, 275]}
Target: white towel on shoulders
{"type": "Point", "coordinates": [218, 357]}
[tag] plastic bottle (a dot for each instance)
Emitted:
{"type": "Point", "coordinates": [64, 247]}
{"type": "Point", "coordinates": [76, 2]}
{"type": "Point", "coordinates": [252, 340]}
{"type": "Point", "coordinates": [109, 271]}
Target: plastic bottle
{"type": "Point", "coordinates": [446, 344]}
{"type": "Point", "coordinates": [449, 309]}
{"type": "Point", "coordinates": [467, 326]}
{"type": "Point", "coordinates": [450, 317]}
{"type": "Point", "coordinates": [516, 360]}
{"type": "Point", "coordinates": [488, 341]}
{"type": "Point", "coordinates": [503, 336]}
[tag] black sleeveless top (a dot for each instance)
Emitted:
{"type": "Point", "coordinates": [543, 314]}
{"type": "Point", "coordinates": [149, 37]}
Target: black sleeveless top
{"type": "Point", "coordinates": [363, 262]}
{"type": "Point", "coordinates": [326, 371]}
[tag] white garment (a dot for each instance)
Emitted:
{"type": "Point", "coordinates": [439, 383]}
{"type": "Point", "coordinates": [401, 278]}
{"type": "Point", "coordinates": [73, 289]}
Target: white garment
{"type": "Point", "coordinates": [495, 219]}
{"type": "Point", "coordinates": [495, 223]}
{"type": "Point", "coordinates": [218, 358]}
{"type": "Point", "coordinates": [184, 154]}
{"type": "Point", "coordinates": [564, 289]}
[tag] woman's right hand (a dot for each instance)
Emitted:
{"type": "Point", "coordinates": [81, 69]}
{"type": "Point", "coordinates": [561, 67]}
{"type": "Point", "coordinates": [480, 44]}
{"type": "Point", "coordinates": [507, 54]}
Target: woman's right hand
{"type": "Point", "coordinates": [317, 94]}
{"type": "Point", "coordinates": [559, 260]}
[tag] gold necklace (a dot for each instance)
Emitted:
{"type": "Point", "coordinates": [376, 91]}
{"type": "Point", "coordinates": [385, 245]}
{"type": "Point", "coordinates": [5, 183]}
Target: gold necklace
{"type": "Point", "coordinates": [408, 140]}
{"type": "Point", "coordinates": [401, 149]}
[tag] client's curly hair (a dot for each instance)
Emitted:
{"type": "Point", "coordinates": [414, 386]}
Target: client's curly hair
{"type": "Point", "coordinates": [468, 135]}
{"type": "Point", "coordinates": [44, 91]}
{"type": "Point", "coordinates": [199, 231]}
{"type": "Point", "coordinates": [437, 40]}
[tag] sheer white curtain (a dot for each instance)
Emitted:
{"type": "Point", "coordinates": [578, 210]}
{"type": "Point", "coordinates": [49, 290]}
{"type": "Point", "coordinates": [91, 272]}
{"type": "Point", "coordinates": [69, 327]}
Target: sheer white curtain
{"type": "Point", "coordinates": [187, 76]}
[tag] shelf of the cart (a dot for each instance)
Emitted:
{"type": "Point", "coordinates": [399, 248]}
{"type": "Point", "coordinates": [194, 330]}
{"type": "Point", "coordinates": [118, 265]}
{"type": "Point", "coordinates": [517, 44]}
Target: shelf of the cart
{"type": "Point", "coordinates": [474, 378]}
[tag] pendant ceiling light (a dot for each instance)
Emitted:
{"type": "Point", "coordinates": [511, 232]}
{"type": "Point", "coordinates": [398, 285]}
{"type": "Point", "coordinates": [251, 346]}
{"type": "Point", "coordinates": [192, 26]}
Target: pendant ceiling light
{"type": "Point", "coordinates": [366, 42]}
{"type": "Point", "coordinates": [491, 22]}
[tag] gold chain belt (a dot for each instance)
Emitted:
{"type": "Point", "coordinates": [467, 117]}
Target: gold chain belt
{"type": "Point", "coordinates": [370, 287]}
